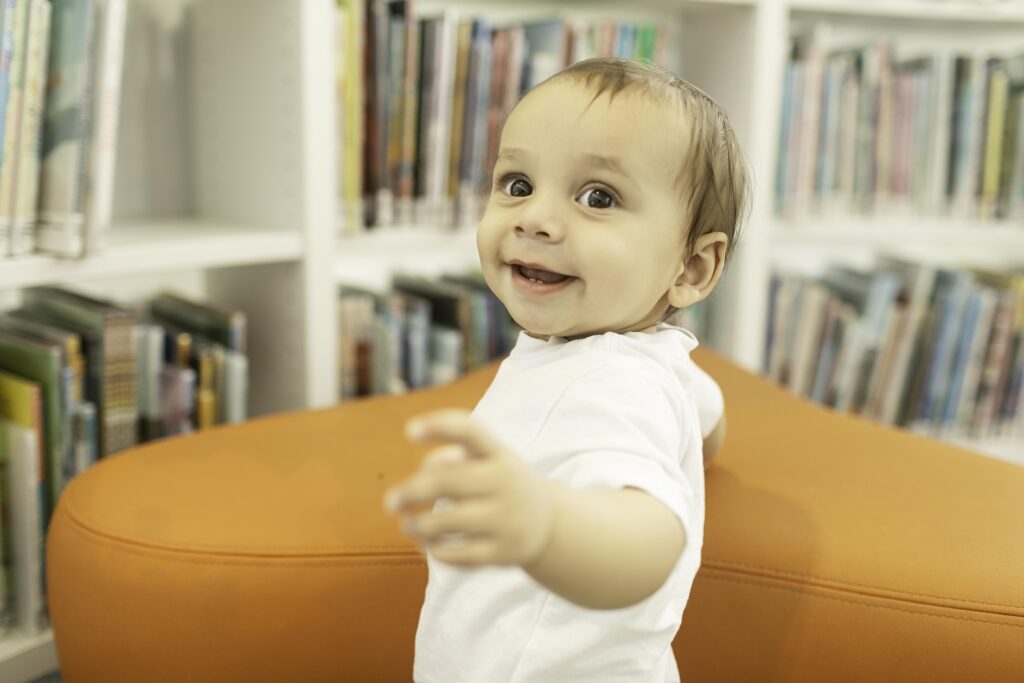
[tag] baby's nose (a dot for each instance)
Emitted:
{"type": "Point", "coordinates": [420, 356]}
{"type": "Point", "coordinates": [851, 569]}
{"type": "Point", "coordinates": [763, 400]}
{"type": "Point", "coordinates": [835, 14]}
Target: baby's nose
{"type": "Point", "coordinates": [541, 219]}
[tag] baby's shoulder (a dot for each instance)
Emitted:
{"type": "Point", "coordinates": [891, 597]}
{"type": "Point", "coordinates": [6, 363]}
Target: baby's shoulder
{"type": "Point", "coordinates": [628, 377]}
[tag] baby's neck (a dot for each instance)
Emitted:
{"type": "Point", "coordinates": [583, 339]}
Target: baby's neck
{"type": "Point", "coordinates": [544, 337]}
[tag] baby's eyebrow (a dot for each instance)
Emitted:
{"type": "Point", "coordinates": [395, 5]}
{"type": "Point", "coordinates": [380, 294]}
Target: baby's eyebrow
{"type": "Point", "coordinates": [510, 154]}
{"type": "Point", "coordinates": [608, 163]}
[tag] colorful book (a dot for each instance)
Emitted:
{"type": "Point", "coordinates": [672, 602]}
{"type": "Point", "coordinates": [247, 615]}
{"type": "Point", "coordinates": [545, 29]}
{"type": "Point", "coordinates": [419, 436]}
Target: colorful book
{"type": "Point", "coordinates": [108, 339]}
{"type": "Point", "coordinates": [12, 121]}
{"type": "Point", "coordinates": [67, 129]}
{"type": "Point", "coordinates": [7, 21]}
{"type": "Point", "coordinates": [40, 362]}
{"type": "Point", "coordinates": [106, 101]}
{"type": "Point", "coordinates": [28, 526]}
{"type": "Point", "coordinates": [21, 405]}
{"type": "Point", "coordinates": [23, 232]}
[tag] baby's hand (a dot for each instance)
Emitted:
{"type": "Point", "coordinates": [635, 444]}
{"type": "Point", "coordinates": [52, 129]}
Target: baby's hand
{"type": "Point", "coordinates": [500, 507]}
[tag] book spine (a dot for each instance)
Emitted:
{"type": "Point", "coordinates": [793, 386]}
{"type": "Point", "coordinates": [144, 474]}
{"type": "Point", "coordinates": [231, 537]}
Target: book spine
{"type": "Point", "coordinates": [23, 230]}
{"type": "Point", "coordinates": [993, 140]}
{"type": "Point", "coordinates": [99, 194]}
{"type": "Point", "coordinates": [66, 130]}
{"type": "Point", "coordinates": [12, 122]}
{"type": "Point", "coordinates": [6, 576]}
{"type": "Point", "coordinates": [6, 53]}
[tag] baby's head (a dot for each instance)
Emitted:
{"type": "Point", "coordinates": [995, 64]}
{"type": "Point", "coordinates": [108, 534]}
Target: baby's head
{"type": "Point", "coordinates": [616, 200]}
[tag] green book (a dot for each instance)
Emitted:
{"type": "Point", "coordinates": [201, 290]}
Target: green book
{"type": "Point", "coordinates": [6, 578]}
{"type": "Point", "coordinates": [225, 327]}
{"type": "Point", "coordinates": [108, 341]}
{"type": "Point", "coordinates": [40, 362]}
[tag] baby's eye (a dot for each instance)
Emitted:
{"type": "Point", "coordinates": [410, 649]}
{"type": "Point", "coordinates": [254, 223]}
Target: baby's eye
{"type": "Point", "coordinates": [596, 198]}
{"type": "Point", "coordinates": [517, 187]}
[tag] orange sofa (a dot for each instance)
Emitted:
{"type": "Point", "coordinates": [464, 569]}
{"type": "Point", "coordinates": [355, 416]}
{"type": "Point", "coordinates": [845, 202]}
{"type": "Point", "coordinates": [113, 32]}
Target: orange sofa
{"type": "Point", "coordinates": [835, 550]}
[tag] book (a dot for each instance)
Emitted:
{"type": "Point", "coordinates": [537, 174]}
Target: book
{"type": "Point", "coordinates": [7, 20]}
{"type": "Point", "coordinates": [998, 84]}
{"type": "Point", "coordinates": [111, 19]}
{"type": "Point", "coordinates": [450, 307]}
{"type": "Point", "coordinates": [27, 526]}
{"type": "Point", "coordinates": [948, 302]}
{"type": "Point", "coordinates": [150, 361]}
{"type": "Point", "coordinates": [72, 377]}
{"type": "Point", "coordinates": [41, 362]}
{"type": "Point", "coordinates": [23, 225]}
{"type": "Point", "coordinates": [226, 327]}
{"type": "Point", "coordinates": [872, 295]}
{"type": "Point", "coordinates": [67, 129]}
{"type": "Point", "coordinates": [915, 283]}
{"type": "Point", "coordinates": [350, 23]}
{"type": "Point", "coordinates": [21, 404]}
{"type": "Point", "coordinates": [108, 340]}
{"type": "Point", "coordinates": [6, 577]}
{"type": "Point", "coordinates": [807, 338]}
{"type": "Point", "coordinates": [12, 120]}
{"type": "Point", "coordinates": [959, 419]}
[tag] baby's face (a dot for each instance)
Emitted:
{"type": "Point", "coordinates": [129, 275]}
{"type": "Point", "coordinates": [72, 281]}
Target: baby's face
{"type": "Point", "coordinates": [587, 193]}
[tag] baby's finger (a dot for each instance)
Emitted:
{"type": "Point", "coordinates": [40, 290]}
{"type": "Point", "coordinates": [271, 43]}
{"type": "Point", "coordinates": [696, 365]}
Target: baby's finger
{"type": "Point", "coordinates": [473, 517]}
{"type": "Point", "coordinates": [444, 456]}
{"type": "Point", "coordinates": [467, 552]}
{"type": "Point", "coordinates": [454, 425]}
{"type": "Point", "coordinates": [454, 480]}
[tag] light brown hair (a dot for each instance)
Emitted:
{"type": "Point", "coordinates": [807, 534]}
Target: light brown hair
{"type": "Point", "coordinates": [713, 176]}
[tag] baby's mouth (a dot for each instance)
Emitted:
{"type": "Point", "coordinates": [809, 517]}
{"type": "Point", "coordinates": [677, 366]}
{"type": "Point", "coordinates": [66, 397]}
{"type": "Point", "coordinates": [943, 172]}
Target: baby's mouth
{"type": "Point", "coordinates": [542, 276]}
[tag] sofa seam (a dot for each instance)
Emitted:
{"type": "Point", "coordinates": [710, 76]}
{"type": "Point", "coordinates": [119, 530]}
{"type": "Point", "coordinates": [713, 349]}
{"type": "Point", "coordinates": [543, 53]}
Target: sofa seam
{"type": "Point", "coordinates": [791, 589]}
{"type": "Point", "coordinates": [727, 564]}
{"type": "Point", "coordinates": [337, 558]}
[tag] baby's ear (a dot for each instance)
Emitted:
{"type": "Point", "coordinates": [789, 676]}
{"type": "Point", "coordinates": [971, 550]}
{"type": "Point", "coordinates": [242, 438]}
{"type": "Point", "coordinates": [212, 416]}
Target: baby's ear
{"type": "Point", "coordinates": [701, 272]}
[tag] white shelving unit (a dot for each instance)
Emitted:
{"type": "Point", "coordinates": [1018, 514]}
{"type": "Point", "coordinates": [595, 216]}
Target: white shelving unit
{"type": "Point", "coordinates": [225, 188]}
{"type": "Point", "coordinates": [226, 178]}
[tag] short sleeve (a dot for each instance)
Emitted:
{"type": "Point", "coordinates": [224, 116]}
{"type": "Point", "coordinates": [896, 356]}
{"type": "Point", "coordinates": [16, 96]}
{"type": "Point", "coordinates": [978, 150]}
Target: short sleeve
{"type": "Point", "coordinates": [614, 428]}
{"type": "Point", "coordinates": [709, 400]}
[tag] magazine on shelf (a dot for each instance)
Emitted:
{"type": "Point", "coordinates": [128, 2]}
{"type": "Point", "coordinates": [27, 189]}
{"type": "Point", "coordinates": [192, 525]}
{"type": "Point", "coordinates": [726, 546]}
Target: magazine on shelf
{"type": "Point", "coordinates": [24, 469]}
{"type": "Point", "coordinates": [23, 225]}
{"type": "Point", "coordinates": [12, 121]}
{"type": "Point", "coordinates": [67, 129]}
{"type": "Point", "coordinates": [24, 482]}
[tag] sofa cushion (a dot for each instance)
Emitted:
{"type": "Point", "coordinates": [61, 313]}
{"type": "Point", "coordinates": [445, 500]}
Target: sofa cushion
{"type": "Point", "coordinates": [835, 550]}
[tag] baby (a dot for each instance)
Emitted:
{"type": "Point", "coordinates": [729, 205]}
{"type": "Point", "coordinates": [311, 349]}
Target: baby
{"type": "Point", "coordinates": [563, 518]}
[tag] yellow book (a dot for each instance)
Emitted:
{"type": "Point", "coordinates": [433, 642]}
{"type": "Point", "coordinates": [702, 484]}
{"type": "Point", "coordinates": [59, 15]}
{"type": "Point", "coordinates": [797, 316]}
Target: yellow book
{"type": "Point", "coordinates": [997, 91]}
{"type": "Point", "coordinates": [350, 110]}
{"type": "Point", "coordinates": [21, 402]}
{"type": "Point", "coordinates": [459, 106]}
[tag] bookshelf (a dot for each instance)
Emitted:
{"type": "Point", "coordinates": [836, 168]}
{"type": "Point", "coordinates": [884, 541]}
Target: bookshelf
{"type": "Point", "coordinates": [224, 189]}
{"type": "Point", "coordinates": [226, 179]}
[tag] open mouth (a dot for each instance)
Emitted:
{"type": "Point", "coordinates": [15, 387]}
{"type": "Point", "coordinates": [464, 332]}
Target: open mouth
{"type": "Point", "coordinates": [540, 276]}
{"type": "Point", "coordinates": [532, 280]}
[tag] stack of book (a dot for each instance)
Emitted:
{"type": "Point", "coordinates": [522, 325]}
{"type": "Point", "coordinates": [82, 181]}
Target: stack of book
{"type": "Point", "coordinates": [425, 332]}
{"type": "Point", "coordinates": [936, 350]}
{"type": "Point", "coordinates": [60, 81]}
{"type": "Point", "coordinates": [421, 333]}
{"type": "Point", "coordinates": [82, 378]}
{"type": "Point", "coordinates": [877, 128]}
{"type": "Point", "coordinates": [423, 99]}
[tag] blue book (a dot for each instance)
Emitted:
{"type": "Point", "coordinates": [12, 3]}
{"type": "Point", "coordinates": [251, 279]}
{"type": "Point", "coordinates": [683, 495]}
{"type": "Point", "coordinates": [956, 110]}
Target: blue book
{"type": "Point", "coordinates": [961, 357]}
{"type": "Point", "coordinates": [951, 298]}
{"type": "Point", "coordinates": [6, 51]}
{"type": "Point", "coordinates": [784, 130]}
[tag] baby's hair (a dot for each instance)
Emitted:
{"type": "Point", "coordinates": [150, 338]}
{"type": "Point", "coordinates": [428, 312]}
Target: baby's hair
{"type": "Point", "coordinates": [713, 177]}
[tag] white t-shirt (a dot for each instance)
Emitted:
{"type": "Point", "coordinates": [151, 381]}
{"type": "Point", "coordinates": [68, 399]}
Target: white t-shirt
{"type": "Point", "coordinates": [602, 412]}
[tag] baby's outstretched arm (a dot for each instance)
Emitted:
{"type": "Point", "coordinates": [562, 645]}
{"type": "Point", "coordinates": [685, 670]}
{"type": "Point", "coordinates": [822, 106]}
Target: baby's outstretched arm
{"type": "Point", "coordinates": [599, 549]}
{"type": "Point", "coordinates": [607, 549]}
